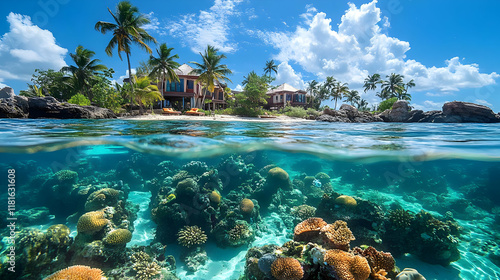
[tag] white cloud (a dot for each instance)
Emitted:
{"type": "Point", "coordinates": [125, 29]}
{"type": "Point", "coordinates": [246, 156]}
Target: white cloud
{"type": "Point", "coordinates": [121, 78]}
{"type": "Point", "coordinates": [154, 25]}
{"type": "Point", "coordinates": [483, 102]}
{"type": "Point", "coordinates": [238, 88]}
{"type": "Point", "coordinates": [210, 27]}
{"type": "Point", "coordinates": [442, 93]}
{"type": "Point", "coordinates": [429, 106]}
{"type": "Point", "coordinates": [27, 47]}
{"type": "Point", "coordinates": [3, 85]}
{"type": "Point", "coordinates": [286, 74]}
{"type": "Point", "coordinates": [359, 47]}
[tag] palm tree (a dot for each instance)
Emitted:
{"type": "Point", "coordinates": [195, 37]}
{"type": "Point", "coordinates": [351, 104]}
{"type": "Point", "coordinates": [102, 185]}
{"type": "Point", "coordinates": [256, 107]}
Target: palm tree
{"type": "Point", "coordinates": [164, 65]}
{"type": "Point", "coordinates": [393, 87]}
{"type": "Point", "coordinates": [313, 89]}
{"type": "Point", "coordinates": [145, 93]}
{"type": "Point", "coordinates": [247, 78]}
{"type": "Point", "coordinates": [211, 71]}
{"type": "Point", "coordinates": [338, 91]}
{"type": "Point", "coordinates": [352, 97]}
{"type": "Point", "coordinates": [84, 69]}
{"type": "Point", "coordinates": [126, 30]}
{"type": "Point", "coordinates": [371, 82]}
{"type": "Point", "coordinates": [362, 105]}
{"type": "Point", "coordinates": [270, 68]}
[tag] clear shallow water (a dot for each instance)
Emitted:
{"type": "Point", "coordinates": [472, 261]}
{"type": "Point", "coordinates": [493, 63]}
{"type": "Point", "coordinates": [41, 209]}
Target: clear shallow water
{"type": "Point", "coordinates": [432, 167]}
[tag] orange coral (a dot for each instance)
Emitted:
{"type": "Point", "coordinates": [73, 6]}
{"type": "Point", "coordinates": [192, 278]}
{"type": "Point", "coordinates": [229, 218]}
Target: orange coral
{"type": "Point", "coordinates": [77, 272]}
{"type": "Point", "coordinates": [287, 269]}
{"type": "Point", "coordinates": [308, 229]}
{"type": "Point", "coordinates": [246, 206]}
{"type": "Point", "coordinates": [215, 197]}
{"type": "Point", "coordinates": [337, 235]}
{"type": "Point", "coordinates": [377, 260]}
{"type": "Point", "coordinates": [347, 266]}
{"type": "Point", "coordinates": [346, 200]}
{"type": "Point", "coordinates": [92, 222]}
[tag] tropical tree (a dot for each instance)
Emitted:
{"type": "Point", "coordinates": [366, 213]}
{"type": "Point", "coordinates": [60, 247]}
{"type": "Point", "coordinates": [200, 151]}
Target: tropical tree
{"type": "Point", "coordinates": [84, 70]}
{"type": "Point", "coordinates": [211, 71]}
{"type": "Point", "coordinates": [338, 91]}
{"type": "Point", "coordinates": [270, 68]}
{"type": "Point", "coordinates": [248, 77]}
{"type": "Point", "coordinates": [145, 93]}
{"type": "Point", "coordinates": [394, 86]}
{"type": "Point", "coordinates": [371, 82]}
{"type": "Point", "coordinates": [352, 97]}
{"type": "Point", "coordinates": [164, 65]}
{"type": "Point", "coordinates": [32, 91]}
{"type": "Point", "coordinates": [253, 95]}
{"type": "Point", "coordinates": [362, 105]}
{"type": "Point", "coordinates": [313, 88]}
{"type": "Point", "coordinates": [127, 30]}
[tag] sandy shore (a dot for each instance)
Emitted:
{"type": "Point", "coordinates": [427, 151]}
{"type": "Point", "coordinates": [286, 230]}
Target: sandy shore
{"type": "Point", "coordinates": [225, 118]}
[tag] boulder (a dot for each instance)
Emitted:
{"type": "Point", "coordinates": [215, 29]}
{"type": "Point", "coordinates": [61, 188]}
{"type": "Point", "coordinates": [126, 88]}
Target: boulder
{"type": "Point", "coordinates": [400, 112]}
{"type": "Point", "coordinates": [347, 113]}
{"type": "Point", "coordinates": [49, 107]}
{"type": "Point", "coordinates": [7, 92]}
{"type": "Point", "coordinates": [465, 112]}
{"type": "Point", "coordinates": [9, 109]}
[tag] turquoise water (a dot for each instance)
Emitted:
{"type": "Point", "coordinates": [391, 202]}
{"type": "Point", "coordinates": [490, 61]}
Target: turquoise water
{"type": "Point", "coordinates": [451, 171]}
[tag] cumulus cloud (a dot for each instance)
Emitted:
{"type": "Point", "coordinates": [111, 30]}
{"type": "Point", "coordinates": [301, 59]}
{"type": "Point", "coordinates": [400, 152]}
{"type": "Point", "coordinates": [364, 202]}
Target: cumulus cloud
{"type": "Point", "coordinates": [27, 47]}
{"type": "Point", "coordinates": [209, 27]}
{"type": "Point", "coordinates": [359, 47]}
{"type": "Point", "coordinates": [286, 74]}
{"type": "Point", "coordinates": [238, 88]}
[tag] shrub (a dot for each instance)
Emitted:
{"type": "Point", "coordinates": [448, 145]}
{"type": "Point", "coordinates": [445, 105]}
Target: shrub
{"type": "Point", "coordinates": [79, 99]}
{"type": "Point", "coordinates": [387, 104]}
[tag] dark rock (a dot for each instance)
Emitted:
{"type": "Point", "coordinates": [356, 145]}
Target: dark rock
{"type": "Point", "coordinates": [16, 107]}
{"type": "Point", "coordinates": [400, 112]}
{"type": "Point", "coordinates": [7, 92]}
{"type": "Point", "coordinates": [464, 112]}
{"type": "Point", "coordinates": [416, 115]}
{"type": "Point", "coordinates": [347, 113]}
{"type": "Point", "coordinates": [49, 107]}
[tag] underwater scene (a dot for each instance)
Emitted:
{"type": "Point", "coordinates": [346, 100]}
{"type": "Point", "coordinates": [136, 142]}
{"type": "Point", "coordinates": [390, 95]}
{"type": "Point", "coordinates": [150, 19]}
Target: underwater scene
{"type": "Point", "coordinates": [120, 199]}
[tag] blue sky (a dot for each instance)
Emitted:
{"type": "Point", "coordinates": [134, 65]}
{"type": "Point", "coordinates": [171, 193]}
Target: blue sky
{"type": "Point", "coordinates": [450, 48]}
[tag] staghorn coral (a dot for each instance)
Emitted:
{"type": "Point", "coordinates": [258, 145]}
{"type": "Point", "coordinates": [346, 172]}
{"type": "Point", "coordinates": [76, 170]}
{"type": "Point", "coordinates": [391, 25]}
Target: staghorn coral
{"type": "Point", "coordinates": [303, 212]}
{"type": "Point", "coordinates": [337, 235]}
{"type": "Point", "coordinates": [287, 269]}
{"type": "Point", "coordinates": [347, 266]}
{"type": "Point", "coordinates": [77, 272]}
{"type": "Point", "coordinates": [102, 198]}
{"type": "Point", "coordinates": [215, 197]}
{"type": "Point", "coordinates": [92, 222]}
{"type": "Point", "coordinates": [346, 200]}
{"type": "Point", "coordinates": [400, 218]}
{"type": "Point", "coordinates": [246, 206]}
{"type": "Point", "coordinates": [190, 236]}
{"type": "Point", "coordinates": [118, 237]}
{"type": "Point", "coordinates": [309, 229]}
{"type": "Point", "coordinates": [146, 268]}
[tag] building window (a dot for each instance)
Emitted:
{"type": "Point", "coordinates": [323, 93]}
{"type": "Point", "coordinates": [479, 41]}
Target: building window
{"type": "Point", "coordinates": [190, 84]}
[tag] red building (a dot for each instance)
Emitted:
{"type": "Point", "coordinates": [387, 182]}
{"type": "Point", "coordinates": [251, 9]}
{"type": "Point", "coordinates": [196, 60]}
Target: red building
{"type": "Point", "coordinates": [283, 95]}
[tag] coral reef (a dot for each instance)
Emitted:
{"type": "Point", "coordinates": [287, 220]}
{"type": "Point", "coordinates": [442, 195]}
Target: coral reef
{"type": "Point", "coordinates": [146, 268]}
{"type": "Point", "coordinates": [190, 236]}
{"type": "Point", "coordinates": [246, 206]}
{"type": "Point", "coordinates": [77, 272]}
{"type": "Point", "coordinates": [346, 200]}
{"type": "Point", "coordinates": [303, 212]}
{"type": "Point", "coordinates": [118, 237]}
{"type": "Point", "coordinates": [240, 234]}
{"type": "Point", "coordinates": [308, 229]}
{"type": "Point", "coordinates": [287, 269]}
{"type": "Point", "coordinates": [92, 222]}
{"type": "Point", "coordinates": [102, 198]}
{"type": "Point", "coordinates": [215, 197]}
{"type": "Point", "coordinates": [66, 177]}
{"type": "Point", "coordinates": [337, 235]}
{"type": "Point", "coordinates": [346, 266]}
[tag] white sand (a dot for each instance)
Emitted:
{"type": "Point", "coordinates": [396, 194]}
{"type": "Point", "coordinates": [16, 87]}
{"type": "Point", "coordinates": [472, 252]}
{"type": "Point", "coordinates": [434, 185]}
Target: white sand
{"type": "Point", "coordinates": [226, 118]}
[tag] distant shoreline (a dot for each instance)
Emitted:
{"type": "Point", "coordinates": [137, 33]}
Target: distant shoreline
{"type": "Point", "coordinates": [223, 118]}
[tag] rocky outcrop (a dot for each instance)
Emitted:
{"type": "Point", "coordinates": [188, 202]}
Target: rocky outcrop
{"type": "Point", "coordinates": [453, 112]}
{"type": "Point", "coordinates": [7, 92]}
{"type": "Point", "coordinates": [48, 107]}
{"type": "Point", "coordinates": [347, 113]}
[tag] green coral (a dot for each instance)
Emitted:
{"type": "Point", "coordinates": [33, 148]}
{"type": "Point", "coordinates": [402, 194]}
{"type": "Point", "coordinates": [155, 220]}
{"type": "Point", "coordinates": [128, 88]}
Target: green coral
{"type": "Point", "coordinates": [323, 178]}
{"type": "Point", "coordinates": [190, 236]}
{"type": "Point", "coordinates": [279, 177]}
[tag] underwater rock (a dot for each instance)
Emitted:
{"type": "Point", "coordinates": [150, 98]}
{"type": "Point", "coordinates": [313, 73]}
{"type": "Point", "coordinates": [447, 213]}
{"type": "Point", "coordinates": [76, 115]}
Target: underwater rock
{"type": "Point", "coordinates": [33, 216]}
{"type": "Point", "coordinates": [265, 263]}
{"type": "Point", "coordinates": [102, 198]}
{"type": "Point", "coordinates": [409, 274]}
{"type": "Point", "coordinates": [193, 259]}
{"type": "Point", "coordinates": [186, 190]}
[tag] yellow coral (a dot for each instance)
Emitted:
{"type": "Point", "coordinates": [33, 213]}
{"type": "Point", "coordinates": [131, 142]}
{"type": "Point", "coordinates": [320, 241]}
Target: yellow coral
{"type": "Point", "coordinates": [287, 269]}
{"type": "Point", "coordinates": [347, 266]}
{"type": "Point", "coordinates": [92, 222]}
{"type": "Point", "coordinates": [337, 235]}
{"type": "Point", "coordinates": [246, 206]}
{"type": "Point", "coordinates": [215, 197]}
{"type": "Point", "coordinates": [77, 272]}
{"type": "Point", "coordinates": [118, 237]}
{"type": "Point", "coordinates": [346, 200]}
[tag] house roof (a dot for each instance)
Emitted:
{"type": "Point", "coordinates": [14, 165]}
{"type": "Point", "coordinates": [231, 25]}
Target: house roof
{"type": "Point", "coordinates": [284, 87]}
{"type": "Point", "coordinates": [184, 70]}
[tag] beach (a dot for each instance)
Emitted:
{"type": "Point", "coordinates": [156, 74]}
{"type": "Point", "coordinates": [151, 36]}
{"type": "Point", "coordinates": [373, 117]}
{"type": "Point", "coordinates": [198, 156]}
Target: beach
{"type": "Point", "coordinates": [225, 118]}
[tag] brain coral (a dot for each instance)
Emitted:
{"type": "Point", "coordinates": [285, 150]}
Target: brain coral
{"type": "Point", "coordinates": [337, 235]}
{"type": "Point", "coordinates": [215, 197]}
{"type": "Point", "coordinates": [279, 177]}
{"type": "Point", "coordinates": [191, 235]}
{"type": "Point", "coordinates": [246, 206]}
{"type": "Point", "coordinates": [308, 229]}
{"type": "Point", "coordinates": [77, 272]}
{"type": "Point", "coordinates": [92, 222]}
{"type": "Point", "coordinates": [118, 237]}
{"type": "Point", "coordinates": [102, 198]}
{"type": "Point", "coordinates": [287, 269]}
{"type": "Point", "coordinates": [346, 201]}
{"type": "Point", "coordinates": [346, 266]}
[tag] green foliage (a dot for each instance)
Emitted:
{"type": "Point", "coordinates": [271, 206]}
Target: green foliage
{"type": "Point", "coordinates": [299, 112]}
{"type": "Point", "coordinates": [79, 99]}
{"type": "Point", "coordinates": [387, 104]}
{"type": "Point", "coordinates": [145, 94]}
{"type": "Point", "coordinates": [253, 96]}
{"type": "Point", "coordinates": [52, 83]}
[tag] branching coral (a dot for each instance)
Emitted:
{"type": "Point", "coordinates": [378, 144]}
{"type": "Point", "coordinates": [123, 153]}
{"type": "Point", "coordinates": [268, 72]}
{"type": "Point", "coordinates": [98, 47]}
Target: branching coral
{"type": "Point", "coordinates": [92, 222]}
{"type": "Point", "coordinates": [346, 266]}
{"type": "Point", "coordinates": [190, 236]}
{"type": "Point", "coordinates": [337, 235]}
{"type": "Point", "coordinates": [400, 218]}
{"type": "Point", "coordinates": [145, 267]}
{"type": "Point", "coordinates": [308, 229]}
{"type": "Point", "coordinates": [102, 198]}
{"type": "Point", "coordinates": [118, 237]}
{"type": "Point", "coordinates": [287, 269]}
{"type": "Point", "coordinates": [77, 272]}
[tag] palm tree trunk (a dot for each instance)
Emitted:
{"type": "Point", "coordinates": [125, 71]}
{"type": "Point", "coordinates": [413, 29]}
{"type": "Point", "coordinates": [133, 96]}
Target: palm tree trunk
{"type": "Point", "coordinates": [335, 104]}
{"type": "Point", "coordinates": [130, 82]}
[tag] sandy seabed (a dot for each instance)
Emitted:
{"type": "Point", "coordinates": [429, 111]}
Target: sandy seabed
{"type": "Point", "coordinates": [225, 118]}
